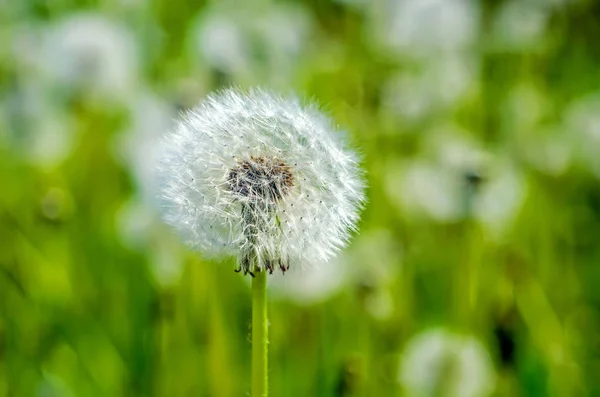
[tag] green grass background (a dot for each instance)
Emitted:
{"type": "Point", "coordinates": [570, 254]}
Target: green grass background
{"type": "Point", "coordinates": [85, 313]}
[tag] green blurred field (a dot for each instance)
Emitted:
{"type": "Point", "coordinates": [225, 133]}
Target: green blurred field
{"type": "Point", "coordinates": [479, 123]}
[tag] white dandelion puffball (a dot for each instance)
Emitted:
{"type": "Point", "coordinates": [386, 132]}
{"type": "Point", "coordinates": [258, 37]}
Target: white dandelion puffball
{"type": "Point", "coordinates": [438, 362]}
{"type": "Point", "coordinates": [261, 177]}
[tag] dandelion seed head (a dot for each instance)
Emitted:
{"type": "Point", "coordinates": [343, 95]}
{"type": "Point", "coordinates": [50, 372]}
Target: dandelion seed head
{"type": "Point", "coordinates": [259, 175]}
{"type": "Point", "coordinates": [261, 179]}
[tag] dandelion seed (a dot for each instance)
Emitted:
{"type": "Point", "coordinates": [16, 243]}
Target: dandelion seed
{"type": "Point", "coordinates": [266, 165]}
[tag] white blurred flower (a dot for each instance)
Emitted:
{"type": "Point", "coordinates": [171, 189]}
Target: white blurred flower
{"type": "Point", "coordinates": [438, 185]}
{"type": "Point", "coordinates": [135, 223]}
{"type": "Point", "coordinates": [253, 43]}
{"type": "Point", "coordinates": [438, 362]}
{"type": "Point", "coordinates": [138, 223]}
{"type": "Point", "coordinates": [374, 261]}
{"type": "Point", "coordinates": [501, 197]}
{"type": "Point", "coordinates": [433, 186]}
{"type": "Point", "coordinates": [260, 176]}
{"type": "Point", "coordinates": [582, 123]}
{"type": "Point", "coordinates": [82, 53]}
{"type": "Point", "coordinates": [310, 285]}
{"type": "Point", "coordinates": [434, 87]}
{"type": "Point", "coordinates": [551, 151]}
{"type": "Point", "coordinates": [38, 128]}
{"type": "Point", "coordinates": [374, 255]}
{"type": "Point", "coordinates": [546, 148]}
{"type": "Point", "coordinates": [36, 125]}
{"type": "Point", "coordinates": [92, 54]}
{"type": "Point", "coordinates": [426, 27]}
{"type": "Point", "coordinates": [26, 48]}
{"type": "Point", "coordinates": [137, 146]}
{"type": "Point", "coordinates": [423, 187]}
{"type": "Point", "coordinates": [139, 228]}
{"type": "Point", "coordinates": [222, 43]}
{"type": "Point", "coordinates": [520, 25]}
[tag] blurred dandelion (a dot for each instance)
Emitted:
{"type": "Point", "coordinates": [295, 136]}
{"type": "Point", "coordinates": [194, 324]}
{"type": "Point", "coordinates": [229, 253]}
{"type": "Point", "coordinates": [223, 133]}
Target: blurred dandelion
{"type": "Point", "coordinates": [438, 362]}
{"type": "Point", "coordinates": [139, 228]}
{"type": "Point", "coordinates": [374, 261]}
{"type": "Point", "coordinates": [83, 55]}
{"type": "Point", "coordinates": [138, 223]}
{"type": "Point", "coordinates": [434, 186]}
{"type": "Point", "coordinates": [432, 88]}
{"type": "Point", "coordinates": [548, 148]}
{"type": "Point", "coordinates": [137, 146]}
{"type": "Point", "coordinates": [36, 126]}
{"type": "Point", "coordinates": [90, 54]}
{"type": "Point", "coordinates": [582, 122]}
{"type": "Point", "coordinates": [520, 25]}
{"type": "Point", "coordinates": [426, 27]}
{"type": "Point", "coordinates": [255, 42]}
{"type": "Point", "coordinates": [432, 38]}
{"type": "Point", "coordinates": [369, 265]}
{"type": "Point", "coordinates": [311, 285]}
{"type": "Point", "coordinates": [441, 187]}
{"type": "Point", "coordinates": [266, 179]}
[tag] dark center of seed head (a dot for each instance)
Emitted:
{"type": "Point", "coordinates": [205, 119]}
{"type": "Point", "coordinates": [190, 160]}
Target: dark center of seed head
{"type": "Point", "coordinates": [261, 178]}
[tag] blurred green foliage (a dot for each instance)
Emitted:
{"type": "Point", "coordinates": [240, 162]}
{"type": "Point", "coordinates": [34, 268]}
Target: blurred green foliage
{"type": "Point", "coordinates": [479, 123]}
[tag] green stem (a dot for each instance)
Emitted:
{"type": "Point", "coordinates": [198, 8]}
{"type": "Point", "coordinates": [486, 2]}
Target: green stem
{"type": "Point", "coordinates": [259, 335]}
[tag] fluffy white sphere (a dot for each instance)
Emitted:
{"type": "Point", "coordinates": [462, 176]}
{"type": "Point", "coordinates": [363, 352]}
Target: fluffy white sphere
{"type": "Point", "coordinates": [261, 177]}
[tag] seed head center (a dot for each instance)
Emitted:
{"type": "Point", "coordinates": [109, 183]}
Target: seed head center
{"type": "Point", "coordinates": [261, 178]}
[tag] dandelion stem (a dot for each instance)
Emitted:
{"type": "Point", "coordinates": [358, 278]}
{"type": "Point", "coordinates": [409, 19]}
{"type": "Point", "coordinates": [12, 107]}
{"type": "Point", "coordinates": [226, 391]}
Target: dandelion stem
{"type": "Point", "coordinates": [259, 335]}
